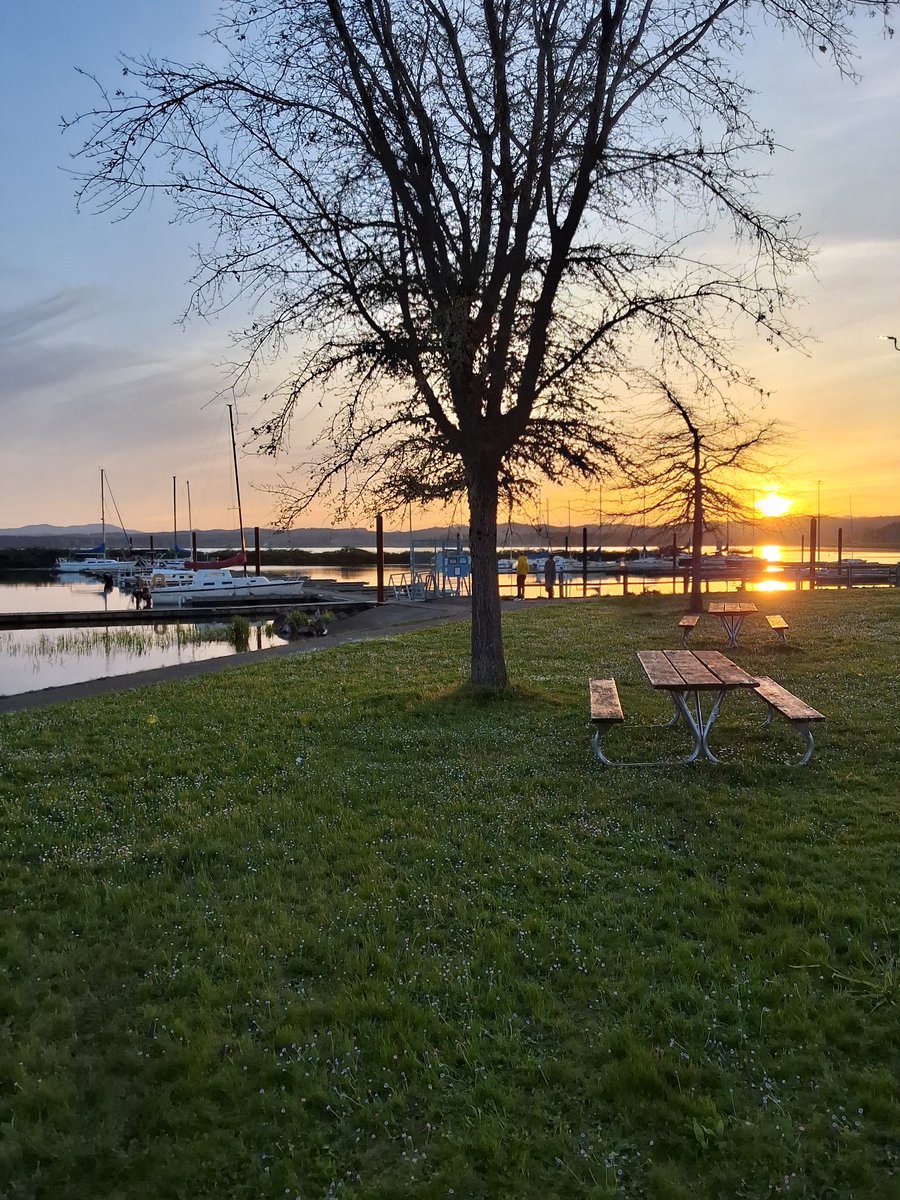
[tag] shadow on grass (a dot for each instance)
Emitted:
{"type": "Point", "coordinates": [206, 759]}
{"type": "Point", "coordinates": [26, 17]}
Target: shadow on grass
{"type": "Point", "coordinates": [468, 696]}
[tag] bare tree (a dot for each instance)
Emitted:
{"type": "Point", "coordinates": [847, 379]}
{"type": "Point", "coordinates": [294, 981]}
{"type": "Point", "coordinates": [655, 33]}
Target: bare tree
{"type": "Point", "coordinates": [693, 466]}
{"type": "Point", "coordinates": [449, 213]}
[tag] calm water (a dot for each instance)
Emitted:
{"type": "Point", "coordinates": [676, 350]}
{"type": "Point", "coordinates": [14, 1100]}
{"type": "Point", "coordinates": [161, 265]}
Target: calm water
{"type": "Point", "coordinates": [34, 659]}
{"type": "Point", "coordinates": [40, 658]}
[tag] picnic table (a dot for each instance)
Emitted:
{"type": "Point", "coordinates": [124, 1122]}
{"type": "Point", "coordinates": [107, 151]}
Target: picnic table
{"type": "Point", "coordinates": [691, 678]}
{"type": "Point", "coordinates": [732, 614]}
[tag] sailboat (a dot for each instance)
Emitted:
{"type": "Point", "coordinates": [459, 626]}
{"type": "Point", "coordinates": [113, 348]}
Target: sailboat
{"type": "Point", "coordinates": [235, 560]}
{"type": "Point", "coordinates": [208, 582]}
{"type": "Point", "coordinates": [93, 561]}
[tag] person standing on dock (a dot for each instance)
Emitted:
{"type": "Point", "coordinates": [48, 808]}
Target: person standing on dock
{"type": "Point", "coordinates": [142, 596]}
{"type": "Point", "coordinates": [549, 574]}
{"type": "Point", "coordinates": [521, 576]}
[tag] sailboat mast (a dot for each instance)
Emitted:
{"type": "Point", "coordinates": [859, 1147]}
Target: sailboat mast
{"type": "Point", "coordinates": [174, 518]}
{"type": "Point", "coordinates": [103, 508]}
{"type": "Point", "coordinates": [237, 485]}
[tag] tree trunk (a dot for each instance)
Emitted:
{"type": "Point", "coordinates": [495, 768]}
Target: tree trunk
{"type": "Point", "coordinates": [697, 536]}
{"type": "Point", "coordinates": [488, 667]}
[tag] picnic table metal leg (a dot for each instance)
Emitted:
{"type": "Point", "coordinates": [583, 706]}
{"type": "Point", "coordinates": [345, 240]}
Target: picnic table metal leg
{"type": "Point", "coordinates": [731, 623]}
{"type": "Point", "coordinates": [696, 723]}
{"type": "Point", "coordinates": [802, 728]}
{"type": "Point", "coordinates": [601, 727]}
{"type": "Point", "coordinates": [806, 733]}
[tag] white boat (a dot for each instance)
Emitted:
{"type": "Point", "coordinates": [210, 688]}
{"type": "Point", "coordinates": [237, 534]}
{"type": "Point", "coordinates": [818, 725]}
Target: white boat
{"type": "Point", "coordinates": [733, 563]}
{"type": "Point", "coordinates": [564, 565]}
{"type": "Point", "coordinates": [89, 566]}
{"type": "Point", "coordinates": [647, 564]}
{"type": "Point", "coordinates": [204, 587]}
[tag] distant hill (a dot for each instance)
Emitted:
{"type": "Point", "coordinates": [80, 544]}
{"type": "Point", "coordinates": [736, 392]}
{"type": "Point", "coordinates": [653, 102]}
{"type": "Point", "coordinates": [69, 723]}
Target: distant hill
{"type": "Point", "coordinates": [873, 531]}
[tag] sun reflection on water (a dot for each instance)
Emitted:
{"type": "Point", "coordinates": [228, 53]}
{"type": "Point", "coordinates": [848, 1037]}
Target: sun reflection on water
{"type": "Point", "coordinates": [771, 585]}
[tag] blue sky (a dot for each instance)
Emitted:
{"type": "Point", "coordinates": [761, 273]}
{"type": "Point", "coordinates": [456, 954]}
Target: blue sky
{"type": "Point", "coordinates": [95, 371]}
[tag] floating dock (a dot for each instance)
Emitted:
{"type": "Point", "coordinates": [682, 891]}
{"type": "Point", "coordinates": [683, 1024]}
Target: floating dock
{"type": "Point", "coordinates": [188, 614]}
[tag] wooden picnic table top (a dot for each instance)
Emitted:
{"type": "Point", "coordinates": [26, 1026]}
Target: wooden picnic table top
{"type": "Point", "coordinates": [690, 670]}
{"type": "Point", "coordinates": [731, 608]}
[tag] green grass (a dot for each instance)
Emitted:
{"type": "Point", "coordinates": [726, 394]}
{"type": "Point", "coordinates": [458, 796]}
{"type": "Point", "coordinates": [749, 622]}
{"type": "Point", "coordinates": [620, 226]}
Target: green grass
{"type": "Point", "coordinates": [333, 926]}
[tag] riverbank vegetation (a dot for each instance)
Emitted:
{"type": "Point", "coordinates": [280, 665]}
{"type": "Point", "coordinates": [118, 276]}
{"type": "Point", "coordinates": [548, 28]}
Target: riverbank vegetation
{"type": "Point", "coordinates": [334, 925]}
{"type": "Point", "coordinates": [136, 641]}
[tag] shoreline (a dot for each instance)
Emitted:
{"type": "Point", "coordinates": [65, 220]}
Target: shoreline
{"type": "Point", "coordinates": [381, 621]}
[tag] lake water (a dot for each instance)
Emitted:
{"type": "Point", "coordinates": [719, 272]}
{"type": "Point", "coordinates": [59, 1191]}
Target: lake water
{"type": "Point", "coordinates": [35, 659]}
{"type": "Point", "coordinates": [32, 659]}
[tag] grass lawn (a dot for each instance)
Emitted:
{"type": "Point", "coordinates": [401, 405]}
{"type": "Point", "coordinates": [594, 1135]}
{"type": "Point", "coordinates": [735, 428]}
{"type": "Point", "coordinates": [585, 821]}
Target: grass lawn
{"type": "Point", "coordinates": [330, 926]}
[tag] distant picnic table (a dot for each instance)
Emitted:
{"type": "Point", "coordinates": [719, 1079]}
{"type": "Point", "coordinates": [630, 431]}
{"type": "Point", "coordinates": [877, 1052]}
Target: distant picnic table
{"type": "Point", "coordinates": [732, 614]}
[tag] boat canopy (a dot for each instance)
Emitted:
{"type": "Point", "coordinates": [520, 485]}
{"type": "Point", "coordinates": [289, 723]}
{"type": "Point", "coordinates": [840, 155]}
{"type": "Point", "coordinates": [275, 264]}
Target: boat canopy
{"type": "Point", "coordinates": [236, 560]}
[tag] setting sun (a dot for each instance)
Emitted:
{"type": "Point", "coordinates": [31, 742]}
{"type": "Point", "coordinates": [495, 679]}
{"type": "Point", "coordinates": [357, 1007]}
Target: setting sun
{"type": "Point", "coordinates": [773, 505]}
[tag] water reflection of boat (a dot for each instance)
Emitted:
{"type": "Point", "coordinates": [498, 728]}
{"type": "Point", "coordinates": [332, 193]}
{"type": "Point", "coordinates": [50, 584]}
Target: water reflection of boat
{"type": "Point", "coordinates": [210, 586]}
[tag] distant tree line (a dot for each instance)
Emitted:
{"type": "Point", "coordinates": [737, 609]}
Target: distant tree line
{"type": "Point", "coordinates": [887, 535]}
{"type": "Point", "coordinates": [27, 558]}
{"type": "Point", "coordinates": [44, 558]}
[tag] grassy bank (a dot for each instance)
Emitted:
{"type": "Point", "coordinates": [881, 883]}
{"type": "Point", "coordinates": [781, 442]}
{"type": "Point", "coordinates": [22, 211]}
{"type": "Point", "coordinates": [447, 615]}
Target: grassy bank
{"type": "Point", "coordinates": [330, 927]}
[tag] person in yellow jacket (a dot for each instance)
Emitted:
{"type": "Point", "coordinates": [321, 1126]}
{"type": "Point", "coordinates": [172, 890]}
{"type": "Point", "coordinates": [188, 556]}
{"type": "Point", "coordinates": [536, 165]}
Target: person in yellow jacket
{"type": "Point", "coordinates": [521, 576]}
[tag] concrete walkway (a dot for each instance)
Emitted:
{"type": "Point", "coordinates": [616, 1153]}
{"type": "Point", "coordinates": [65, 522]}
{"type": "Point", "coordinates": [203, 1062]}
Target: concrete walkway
{"type": "Point", "coordinates": [396, 616]}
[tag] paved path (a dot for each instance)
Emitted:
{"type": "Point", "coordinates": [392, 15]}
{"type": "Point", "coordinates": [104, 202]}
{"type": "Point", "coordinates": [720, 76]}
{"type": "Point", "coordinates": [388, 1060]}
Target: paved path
{"type": "Point", "coordinates": [396, 616]}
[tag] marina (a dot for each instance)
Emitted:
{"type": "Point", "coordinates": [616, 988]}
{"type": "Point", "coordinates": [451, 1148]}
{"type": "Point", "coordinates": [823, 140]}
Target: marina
{"type": "Point", "coordinates": [67, 628]}
{"type": "Point", "coordinates": [62, 630]}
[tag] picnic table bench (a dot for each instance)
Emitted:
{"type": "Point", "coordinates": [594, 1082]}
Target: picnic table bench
{"type": "Point", "coordinates": [606, 710]}
{"type": "Point", "coordinates": [795, 711]}
{"type": "Point", "coordinates": [687, 624]}
{"type": "Point", "coordinates": [779, 627]}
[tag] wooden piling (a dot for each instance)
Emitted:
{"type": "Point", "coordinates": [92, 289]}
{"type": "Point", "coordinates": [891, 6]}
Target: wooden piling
{"type": "Point", "coordinates": [379, 557]}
